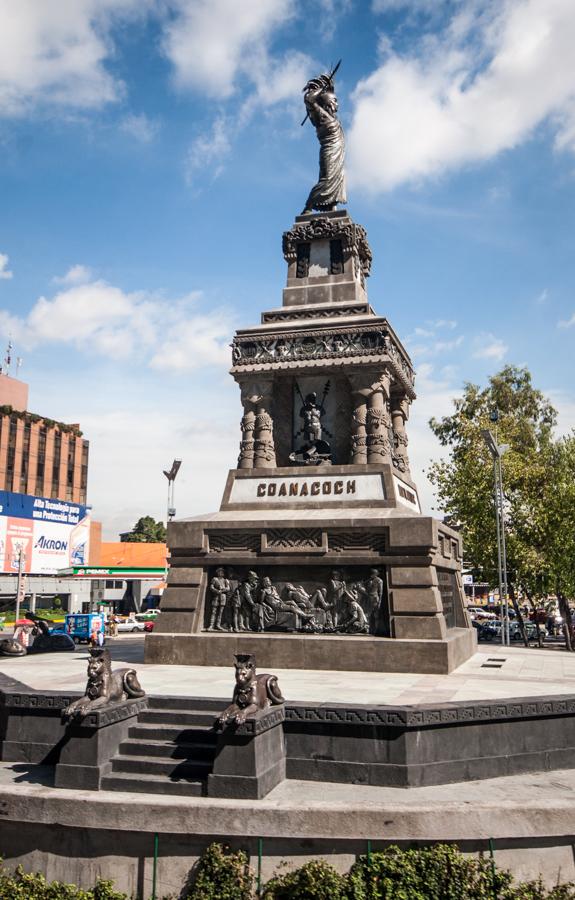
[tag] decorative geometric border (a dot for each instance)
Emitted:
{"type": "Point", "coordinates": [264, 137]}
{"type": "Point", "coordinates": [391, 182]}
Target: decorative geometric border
{"type": "Point", "coordinates": [422, 716]}
{"type": "Point", "coordinates": [107, 715]}
{"type": "Point", "coordinates": [336, 714]}
{"type": "Point", "coordinates": [262, 721]}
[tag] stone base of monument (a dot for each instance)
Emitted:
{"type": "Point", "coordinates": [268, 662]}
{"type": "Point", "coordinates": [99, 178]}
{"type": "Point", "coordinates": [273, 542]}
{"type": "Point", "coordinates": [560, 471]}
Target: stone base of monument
{"type": "Point", "coordinates": [347, 653]}
{"type": "Point", "coordinates": [290, 570]}
{"type": "Point", "coordinates": [250, 759]}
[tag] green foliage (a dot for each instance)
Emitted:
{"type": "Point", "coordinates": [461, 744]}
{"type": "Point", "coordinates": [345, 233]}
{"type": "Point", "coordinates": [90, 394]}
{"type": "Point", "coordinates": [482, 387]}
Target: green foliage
{"type": "Point", "coordinates": [431, 873]}
{"type": "Point", "coordinates": [441, 872]}
{"type": "Point", "coordinates": [316, 880]}
{"type": "Point", "coordinates": [19, 885]}
{"type": "Point", "coordinates": [537, 480]}
{"type": "Point", "coordinates": [146, 531]}
{"type": "Point", "coordinates": [221, 874]}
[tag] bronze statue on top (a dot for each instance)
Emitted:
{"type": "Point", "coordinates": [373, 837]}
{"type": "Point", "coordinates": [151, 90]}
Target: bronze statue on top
{"type": "Point", "coordinates": [321, 105]}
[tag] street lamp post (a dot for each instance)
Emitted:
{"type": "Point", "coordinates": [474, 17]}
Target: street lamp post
{"type": "Point", "coordinates": [497, 450]}
{"type": "Point", "coordinates": [171, 476]}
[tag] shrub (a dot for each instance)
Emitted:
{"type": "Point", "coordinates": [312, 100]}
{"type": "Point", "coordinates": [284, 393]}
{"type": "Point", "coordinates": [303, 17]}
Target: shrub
{"type": "Point", "coordinates": [221, 875]}
{"type": "Point", "coordinates": [316, 880]}
{"type": "Point", "coordinates": [431, 873]}
{"type": "Point", "coordinates": [19, 885]}
{"type": "Point", "coordinates": [440, 873]}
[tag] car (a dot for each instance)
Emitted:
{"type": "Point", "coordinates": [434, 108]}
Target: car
{"type": "Point", "coordinates": [149, 616]}
{"type": "Point", "coordinates": [130, 625]}
{"type": "Point", "coordinates": [149, 626]}
{"type": "Point", "coordinates": [481, 612]}
{"type": "Point", "coordinates": [515, 631]}
{"type": "Point", "coordinates": [486, 631]}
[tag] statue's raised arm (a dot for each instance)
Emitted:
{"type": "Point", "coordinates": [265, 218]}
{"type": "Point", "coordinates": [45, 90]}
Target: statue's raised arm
{"type": "Point", "coordinates": [321, 105]}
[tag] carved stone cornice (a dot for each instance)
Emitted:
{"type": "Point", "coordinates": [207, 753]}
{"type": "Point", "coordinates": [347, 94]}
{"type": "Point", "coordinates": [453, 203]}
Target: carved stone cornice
{"type": "Point", "coordinates": [352, 236]}
{"type": "Point", "coordinates": [344, 345]}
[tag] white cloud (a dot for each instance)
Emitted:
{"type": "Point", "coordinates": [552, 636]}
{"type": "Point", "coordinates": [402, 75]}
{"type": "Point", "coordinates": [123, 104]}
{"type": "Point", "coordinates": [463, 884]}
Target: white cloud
{"type": "Point", "coordinates": [102, 318]}
{"type": "Point", "coordinates": [482, 86]}
{"type": "Point", "coordinates": [77, 274]}
{"type": "Point", "coordinates": [427, 341]}
{"type": "Point", "coordinates": [55, 53]}
{"type": "Point", "coordinates": [489, 347]}
{"type": "Point", "coordinates": [121, 462]}
{"type": "Point", "coordinates": [209, 150]}
{"type": "Point", "coordinates": [211, 42]}
{"type": "Point", "coordinates": [434, 398]}
{"type": "Point", "coordinates": [567, 323]}
{"type": "Point", "coordinates": [140, 127]}
{"type": "Point", "coordinates": [4, 270]}
{"type": "Point", "coordinates": [219, 46]}
{"type": "Point", "coordinates": [542, 298]}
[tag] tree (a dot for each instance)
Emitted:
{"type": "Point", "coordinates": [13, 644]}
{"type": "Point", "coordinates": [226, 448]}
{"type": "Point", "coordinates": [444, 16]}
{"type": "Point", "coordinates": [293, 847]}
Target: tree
{"type": "Point", "coordinates": [146, 531]}
{"type": "Point", "coordinates": [535, 512]}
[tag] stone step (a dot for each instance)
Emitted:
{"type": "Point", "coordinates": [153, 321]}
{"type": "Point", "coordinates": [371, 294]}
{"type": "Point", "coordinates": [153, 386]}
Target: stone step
{"type": "Point", "coordinates": [158, 731]}
{"type": "Point", "coordinates": [150, 784]}
{"type": "Point", "coordinates": [177, 716]}
{"type": "Point", "coordinates": [167, 749]}
{"type": "Point", "coordinates": [187, 703]}
{"type": "Point", "coordinates": [187, 770]}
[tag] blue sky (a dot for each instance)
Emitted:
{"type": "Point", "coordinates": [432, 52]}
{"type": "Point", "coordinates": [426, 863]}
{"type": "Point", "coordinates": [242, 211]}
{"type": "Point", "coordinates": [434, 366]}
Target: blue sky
{"type": "Point", "coordinates": [151, 155]}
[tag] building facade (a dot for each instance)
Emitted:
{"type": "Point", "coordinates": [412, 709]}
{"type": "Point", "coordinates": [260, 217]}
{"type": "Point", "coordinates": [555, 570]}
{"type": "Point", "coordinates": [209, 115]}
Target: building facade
{"type": "Point", "coordinates": [38, 455]}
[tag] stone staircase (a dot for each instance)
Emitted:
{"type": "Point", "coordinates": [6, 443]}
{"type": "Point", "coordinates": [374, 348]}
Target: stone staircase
{"type": "Point", "coordinates": [170, 750]}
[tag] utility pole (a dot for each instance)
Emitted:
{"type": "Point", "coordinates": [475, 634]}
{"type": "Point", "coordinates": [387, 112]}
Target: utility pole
{"type": "Point", "coordinates": [171, 476]}
{"type": "Point", "coordinates": [497, 450]}
{"type": "Point", "coordinates": [20, 581]}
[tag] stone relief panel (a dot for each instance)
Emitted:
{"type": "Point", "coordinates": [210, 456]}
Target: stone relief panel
{"type": "Point", "coordinates": [288, 599]}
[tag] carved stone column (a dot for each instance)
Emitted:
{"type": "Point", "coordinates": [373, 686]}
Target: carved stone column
{"type": "Point", "coordinates": [361, 388]}
{"type": "Point", "coordinates": [379, 422]}
{"type": "Point", "coordinates": [248, 424]}
{"type": "Point", "coordinates": [264, 449]}
{"type": "Point", "coordinates": [399, 416]}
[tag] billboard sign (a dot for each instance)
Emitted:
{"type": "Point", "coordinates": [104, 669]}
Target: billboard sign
{"type": "Point", "coordinates": [50, 534]}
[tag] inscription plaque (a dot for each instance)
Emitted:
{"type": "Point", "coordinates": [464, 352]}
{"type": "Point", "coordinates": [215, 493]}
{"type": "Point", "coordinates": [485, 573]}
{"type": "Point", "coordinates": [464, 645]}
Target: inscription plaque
{"type": "Point", "coordinates": [447, 588]}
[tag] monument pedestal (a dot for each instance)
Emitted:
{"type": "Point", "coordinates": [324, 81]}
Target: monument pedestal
{"type": "Point", "coordinates": [319, 556]}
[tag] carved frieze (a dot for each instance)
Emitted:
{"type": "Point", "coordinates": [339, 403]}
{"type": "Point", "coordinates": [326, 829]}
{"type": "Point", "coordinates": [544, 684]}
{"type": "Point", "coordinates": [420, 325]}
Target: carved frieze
{"type": "Point", "coordinates": [351, 343]}
{"type": "Point", "coordinates": [352, 541]}
{"type": "Point", "coordinates": [234, 541]}
{"type": "Point", "coordinates": [294, 538]}
{"type": "Point", "coordinates": [326, 313]}
{"type": "Point", "coordinates": [353, 239]}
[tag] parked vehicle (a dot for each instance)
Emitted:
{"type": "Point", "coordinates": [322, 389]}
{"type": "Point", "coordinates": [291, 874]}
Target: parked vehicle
{"type": "Point", "coordinates": [81, 626]}
{"type": "Point", "coordinates": [149, 626]}
{"type": "Point", "coordinates": [149, 616]}
{"type": "Point", "coordinates": [515, 631]}
{"type": "Point", "coordinates": [129, 625]}
{"type": "Point", "coordinates": [481, 613]}
{"type": "Point", "coordinates": [486, 631]}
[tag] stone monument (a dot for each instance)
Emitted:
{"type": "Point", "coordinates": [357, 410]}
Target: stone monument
{"type": "Point", "coordinates": [319, 556]}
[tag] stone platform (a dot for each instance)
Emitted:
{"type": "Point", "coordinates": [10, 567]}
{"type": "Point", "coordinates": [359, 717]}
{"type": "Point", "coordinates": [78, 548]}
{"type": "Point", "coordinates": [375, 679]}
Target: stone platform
{"type": "Point", "coordinates": [81, 835]}
{"type": "Point", "coordinates": [326, 652]}
{"type": "Point", "coordinates": [524, 697]}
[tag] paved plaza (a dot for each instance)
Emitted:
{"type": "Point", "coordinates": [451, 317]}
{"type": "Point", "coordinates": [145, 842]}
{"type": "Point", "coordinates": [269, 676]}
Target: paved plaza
{"type": "Point", "coordinates": [493, 673]}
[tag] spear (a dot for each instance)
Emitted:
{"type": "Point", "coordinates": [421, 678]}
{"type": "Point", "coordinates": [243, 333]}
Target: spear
{"type": "Point", "coordinates": [330, 76]}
